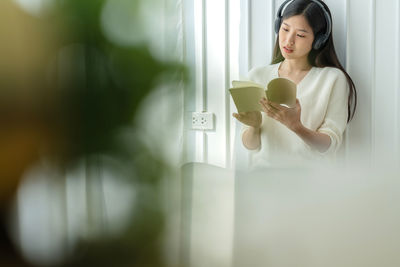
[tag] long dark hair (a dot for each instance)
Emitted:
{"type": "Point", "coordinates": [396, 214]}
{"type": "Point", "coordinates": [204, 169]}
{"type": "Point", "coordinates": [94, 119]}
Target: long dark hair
{"type": "Point", "coordinates": [326, 55]}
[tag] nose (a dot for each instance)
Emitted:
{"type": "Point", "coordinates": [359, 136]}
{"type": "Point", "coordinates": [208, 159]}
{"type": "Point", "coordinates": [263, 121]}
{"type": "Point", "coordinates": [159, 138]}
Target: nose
{"type": "Point", "coordinates": [290, 40]}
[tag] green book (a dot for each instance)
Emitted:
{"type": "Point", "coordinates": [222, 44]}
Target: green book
{"type": "Point", "coordinates": [246, 95]}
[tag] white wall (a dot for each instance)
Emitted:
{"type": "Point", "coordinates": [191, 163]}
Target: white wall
{"type": "Point", "coordinates": [212, 43]}
{"type": "Point", "coordinates": [222, 45]}
{"type": "Point", "coordinates": [373, 61]}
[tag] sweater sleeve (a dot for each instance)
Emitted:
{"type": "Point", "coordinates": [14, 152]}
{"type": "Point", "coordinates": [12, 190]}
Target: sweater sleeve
{"type": "Point", "coordinates": [335, 120]}
{"type": "Point", "coordinates": [255, 75]}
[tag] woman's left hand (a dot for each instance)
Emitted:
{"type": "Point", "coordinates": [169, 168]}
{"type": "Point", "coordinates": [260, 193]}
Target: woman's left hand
{"type": "Point", "coordinates": [287, 116]}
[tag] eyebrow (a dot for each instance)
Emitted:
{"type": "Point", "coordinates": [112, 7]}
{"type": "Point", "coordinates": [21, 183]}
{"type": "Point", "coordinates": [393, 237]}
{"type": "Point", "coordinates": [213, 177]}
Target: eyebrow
{"type": "Point", "coordinates": [301, 30]}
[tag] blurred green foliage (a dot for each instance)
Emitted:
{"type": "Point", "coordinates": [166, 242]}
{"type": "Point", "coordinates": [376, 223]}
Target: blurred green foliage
{"type": "Point", "coordinates": [105, 84]}
{"type": "Point", "coordinates": [106, 81]}
{"type": "Point", "coordinates": [94, 88]}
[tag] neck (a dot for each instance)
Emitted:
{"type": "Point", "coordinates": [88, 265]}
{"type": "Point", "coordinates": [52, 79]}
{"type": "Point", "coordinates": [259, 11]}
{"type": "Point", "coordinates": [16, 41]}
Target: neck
{"type": "Point", "coordinates": [295, 65]}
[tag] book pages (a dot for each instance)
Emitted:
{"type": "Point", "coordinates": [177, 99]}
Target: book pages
{"type": "Point", "coordinates": [282, 91]}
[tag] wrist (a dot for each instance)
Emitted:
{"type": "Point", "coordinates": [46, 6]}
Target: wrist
{"type": "Point", "coordinates": [297, 128]}
{"type": "Point", "coordinates": [254, 130]}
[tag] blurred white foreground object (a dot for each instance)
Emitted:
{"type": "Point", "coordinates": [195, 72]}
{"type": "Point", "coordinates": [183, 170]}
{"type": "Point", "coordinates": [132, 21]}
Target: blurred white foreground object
{"type": "Point", "coordinates": [318, 218]}
{"type": "Point", "coordinates": [293, 217]}
{"type": "Point", "coordinates": [208, 203]}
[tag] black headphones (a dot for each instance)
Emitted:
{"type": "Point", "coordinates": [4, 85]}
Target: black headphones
{"type": "Point", "coordinates": [321, 38]}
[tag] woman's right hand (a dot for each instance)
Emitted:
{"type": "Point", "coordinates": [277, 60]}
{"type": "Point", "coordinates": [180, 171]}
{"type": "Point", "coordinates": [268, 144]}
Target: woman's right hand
{"type": "Point", "coordinates": [251, 118]}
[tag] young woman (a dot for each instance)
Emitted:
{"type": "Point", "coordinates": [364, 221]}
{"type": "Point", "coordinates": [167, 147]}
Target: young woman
{"type": "Point", "coordinates": [326, 95]}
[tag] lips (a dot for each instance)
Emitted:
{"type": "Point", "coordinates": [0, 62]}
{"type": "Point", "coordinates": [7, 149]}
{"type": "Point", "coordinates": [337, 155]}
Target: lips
{"type": "Point", "coordinates": [287, 50]}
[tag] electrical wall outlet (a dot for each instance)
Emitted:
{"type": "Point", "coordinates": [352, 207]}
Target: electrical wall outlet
{"type": "Point", "coordinates": [202, 120]}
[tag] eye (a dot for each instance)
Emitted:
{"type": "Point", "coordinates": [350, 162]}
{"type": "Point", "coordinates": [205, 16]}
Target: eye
{"type": "Point", "coordinates": [301, 36]}
{"type": "Point", "coordinates": [286, 30]}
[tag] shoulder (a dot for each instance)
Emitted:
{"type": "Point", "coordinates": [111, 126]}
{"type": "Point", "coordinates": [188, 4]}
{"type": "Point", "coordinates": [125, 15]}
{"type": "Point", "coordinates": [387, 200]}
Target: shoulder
{"type": "Point", "coordinates": [261, 73]}
{"type": "Point", "coordinates": [333, 80]}
{"type": "Point", "coordinates": [331, 73]}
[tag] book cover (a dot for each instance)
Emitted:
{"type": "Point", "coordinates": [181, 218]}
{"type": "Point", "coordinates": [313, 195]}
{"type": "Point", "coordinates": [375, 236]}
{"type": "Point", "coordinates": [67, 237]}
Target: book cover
{"type": "Point", "coordinates": [246, 95]}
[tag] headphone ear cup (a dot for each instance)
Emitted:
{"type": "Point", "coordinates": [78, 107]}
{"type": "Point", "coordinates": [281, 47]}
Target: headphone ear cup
{"type": "Point", "coordinates": [277, 25]}
{"type": "Point", "coordinates": [318, 41]}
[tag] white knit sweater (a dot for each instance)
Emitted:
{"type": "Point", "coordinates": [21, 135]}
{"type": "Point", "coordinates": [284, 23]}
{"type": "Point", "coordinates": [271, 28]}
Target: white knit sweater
{"type": "Point", "coordinates": [323, 94]}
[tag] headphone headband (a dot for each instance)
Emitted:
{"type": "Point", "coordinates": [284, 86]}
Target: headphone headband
{"type": "Point", "coordinates": [320, 41]}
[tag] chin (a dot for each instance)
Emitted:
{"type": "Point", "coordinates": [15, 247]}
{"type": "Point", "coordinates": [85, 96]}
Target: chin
{"type": "Point", "coordinates": [288, 56]}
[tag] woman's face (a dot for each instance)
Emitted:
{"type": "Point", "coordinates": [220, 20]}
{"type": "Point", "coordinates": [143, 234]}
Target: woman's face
{"type": "Point", "coordinates": [295, 37]}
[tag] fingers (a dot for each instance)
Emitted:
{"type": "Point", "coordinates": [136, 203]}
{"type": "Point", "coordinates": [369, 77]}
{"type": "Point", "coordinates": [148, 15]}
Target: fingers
{"type": "Point", "coordinates": [263, 104]}
{"type": "Point", "coordinates": [277, 106]}
{"type": "Point", "coordinates": [270, 105]}
{"type": "Point", "coordinates": [280, 113]}
{"type": "Point", "coordinates": [240, 117]}
{"type": "Point", "coordinates": [271, 109]}
{"type": "Point", "coordinates": [298, 103]}
{"type": "Point", "coordinates": [270, 113]}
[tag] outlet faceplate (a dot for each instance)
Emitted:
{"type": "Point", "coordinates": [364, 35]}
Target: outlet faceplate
{"type": "Point", "coordinates": [202, 120]}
